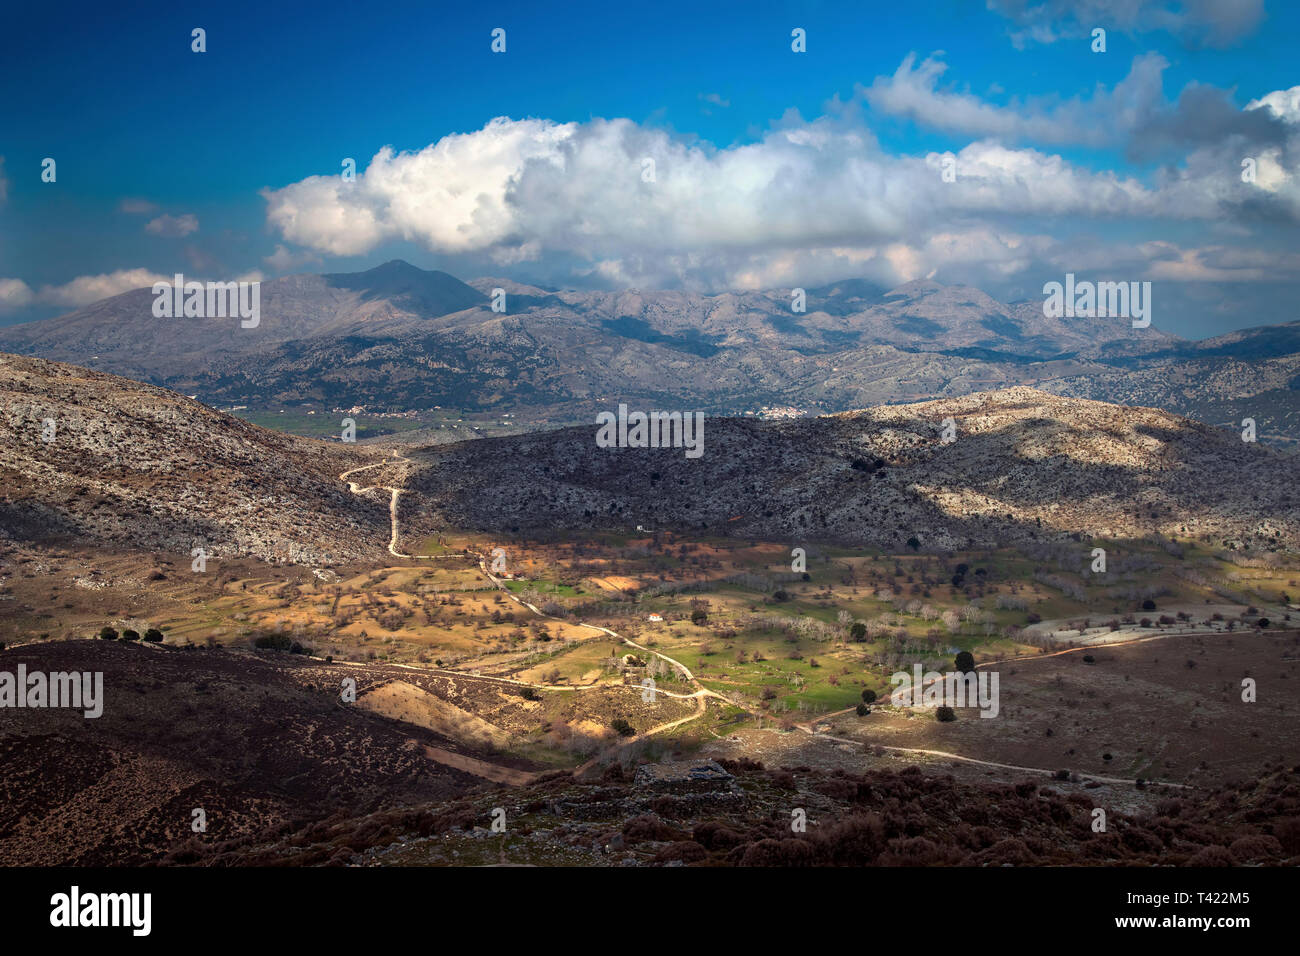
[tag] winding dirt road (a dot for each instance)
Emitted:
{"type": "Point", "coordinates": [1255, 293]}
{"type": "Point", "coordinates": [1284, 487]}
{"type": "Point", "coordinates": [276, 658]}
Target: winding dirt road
{"type": "Point", "coordinates": [701, 693]}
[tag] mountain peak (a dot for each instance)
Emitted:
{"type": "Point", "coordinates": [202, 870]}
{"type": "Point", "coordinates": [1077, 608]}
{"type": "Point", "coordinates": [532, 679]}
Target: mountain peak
{"type": "Point", "coordinates": [426, 292]}
{"type": "Point", "coordinates": [916, 287]}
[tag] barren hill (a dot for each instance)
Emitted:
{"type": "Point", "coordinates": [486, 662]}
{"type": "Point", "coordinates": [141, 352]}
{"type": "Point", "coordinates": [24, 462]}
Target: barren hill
{"type": "Point", "coordinates": [136, 464]}
{"type": "Point", "coordinates": [1025, 464]}
{"type": "Point", "coordinates": [253, 740]}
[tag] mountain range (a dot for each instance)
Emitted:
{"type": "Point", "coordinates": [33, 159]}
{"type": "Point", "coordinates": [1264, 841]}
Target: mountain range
{"type": "Point", "coordinates": [400, 338]}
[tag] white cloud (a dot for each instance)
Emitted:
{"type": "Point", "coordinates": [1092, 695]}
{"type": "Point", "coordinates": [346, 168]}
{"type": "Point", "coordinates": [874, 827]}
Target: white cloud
{"type": "Point", "coordinates": [578, 188]}
{"type": "Point", "coordinates": [284, 260]}
{"type": "Point", "coordinates": [174, 227]}
{"type": "Point", "coordinates": [1282, 104]}
{"type": "Point", "coordinates": [84, 290]}
{"type": "Point", "coordinates": [14, 294]}
{"type": "Point", "coordinates": [1218, 263]}
{"type": "Point", "coordinates": [1104, 118]}
{"type": "Point", "coordinates": [820, 195]}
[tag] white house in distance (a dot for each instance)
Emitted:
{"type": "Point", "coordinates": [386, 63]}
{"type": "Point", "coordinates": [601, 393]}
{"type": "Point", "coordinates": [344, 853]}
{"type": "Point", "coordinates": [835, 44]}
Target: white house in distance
{"type": "Point", "coordinates": [656, 619]}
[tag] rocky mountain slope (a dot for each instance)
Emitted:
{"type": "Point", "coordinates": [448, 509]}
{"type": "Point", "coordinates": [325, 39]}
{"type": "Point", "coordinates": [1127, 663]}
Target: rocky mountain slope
{"type": "Point", "coordinates": [1025, 464]}
{"type": "Point", "coordinates": [135, 464]}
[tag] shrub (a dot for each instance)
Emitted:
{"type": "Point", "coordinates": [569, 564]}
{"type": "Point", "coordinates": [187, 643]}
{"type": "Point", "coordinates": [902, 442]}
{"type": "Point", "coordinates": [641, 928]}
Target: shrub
{"type": "Point", "coordinates": [945, 714]}
{"type": "Point", "coordinates": [130, 635]}
{"type": "Point", "coordinates": [623, 728]}
{"type": "Point", "coordinates": [1217, 856]}
{"type": "Point", "coordinates": [273, 642]}
{"type": "Point", "coordinates": [153, 635]}
{"type": "Point", "coordinates": [965, 662]}
{"type": "Point", "coordinates": [529, 693]}
{"type": "Point", "coordinates": [1249, 848]}
{"type": "Point", "coordinates": [647, 826]}
{"type": "Point", "coordinates": [1010, 850]}
{"type": "Point", "coordinates": [862, 710]}
{"type": "Point", "coordinates": [855, 841]}
{"type": "Point", "coordinates": [868, 696]}
{"type": "Point", "coordinates": [1288, 834]}
{"type": "Point", "coordinates": [787, 852]}
{"type": "Point", "coordinates": [717, 836]}
{"type": "Point", "coordinates": [107, 633]}
{"type": "Point", "coordinates": [699, 616]}
{"type": "Point", "coordinates": [858, 632]}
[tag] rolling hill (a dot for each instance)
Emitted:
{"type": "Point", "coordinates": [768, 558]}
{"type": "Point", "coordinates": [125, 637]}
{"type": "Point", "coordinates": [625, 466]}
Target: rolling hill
{"type": "Point", "coordinates": [1025, 465]}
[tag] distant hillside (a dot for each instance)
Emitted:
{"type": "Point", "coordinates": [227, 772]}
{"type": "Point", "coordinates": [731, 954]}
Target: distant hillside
{"type": "Point", "coordinates": [1025, 465]}
{"type": "Point", "coordinates": [121, 335]}
{"type": "Point", "coordinates": [131, 463]}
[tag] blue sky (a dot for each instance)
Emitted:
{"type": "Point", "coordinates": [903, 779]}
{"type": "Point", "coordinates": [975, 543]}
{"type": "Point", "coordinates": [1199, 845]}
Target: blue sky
{"type": "Point", "coordinates": [773, 168]}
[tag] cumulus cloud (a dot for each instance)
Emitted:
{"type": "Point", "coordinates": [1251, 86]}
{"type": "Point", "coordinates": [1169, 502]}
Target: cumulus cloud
{"type": "Point", "coordinates": [14, 294]}
{"type": "Point", "coordinates": [613, 202]}
{"type": "Point", "coordinates": [1280, 104]}
{"type": "Point", "coordinates": [173, 227]}
{"type": "Point", "coordinates": [1213, 23]}
{"type": "Point", "coordinates": [286, 260]}
{"type": "Point", "coordinates": [84, 290]}
{"type": "Point", "coordinates": [579, 188]}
